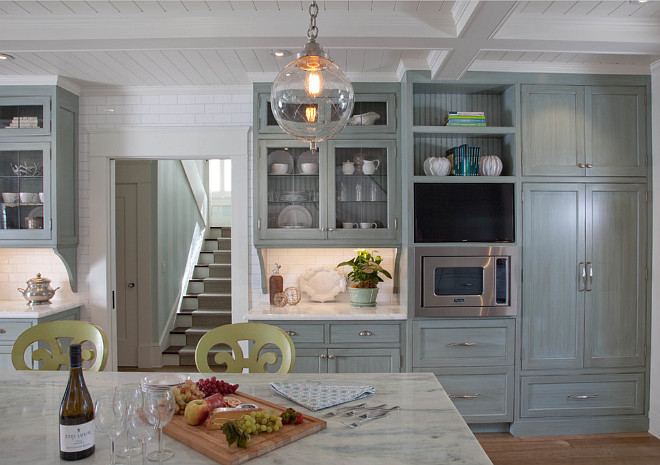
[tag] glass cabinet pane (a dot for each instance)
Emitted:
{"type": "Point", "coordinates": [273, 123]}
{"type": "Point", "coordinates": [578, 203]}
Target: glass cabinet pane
{"type": "Point", "coordinates": [293, 188]}
{"type": "Point", "coordinates": [361, 187]}
{"type": "Point", "coordinates": [21, 116]}
{"type": "Point", "coordinates": [22, 188]}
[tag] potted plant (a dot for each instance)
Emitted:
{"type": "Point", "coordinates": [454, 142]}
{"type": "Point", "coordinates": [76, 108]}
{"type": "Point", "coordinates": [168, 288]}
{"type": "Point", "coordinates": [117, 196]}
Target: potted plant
{"type": "Point", "coordinates": [365, 276]}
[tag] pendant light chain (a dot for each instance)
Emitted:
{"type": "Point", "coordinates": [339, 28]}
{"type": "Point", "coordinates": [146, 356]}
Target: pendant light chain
{"type": "Point", "coordinates": [313, 31]}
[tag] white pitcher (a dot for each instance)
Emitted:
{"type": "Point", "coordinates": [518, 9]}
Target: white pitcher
{"type": "Point", "coordinates": [370, 166]}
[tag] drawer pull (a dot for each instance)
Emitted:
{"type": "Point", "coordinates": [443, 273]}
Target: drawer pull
{"type": "Point", "coordinates": [331, 357]}
{"type": "Point", "coordinates": [592, 396]}
{"type": "Point", "coordinates": [323, 356]}
{"type": "Point", "coordinates": [463, 344]}
{"type": "Point", "coordinates": [2, 331]}
{"type": "Point", "coordinates": [366, 333]}
{"type": "Point", "coordinates": [291, 333]}
{"type": "Point", "coordinates": [466, 396]}
{"type": "Point", "coordinates": [581, 165]}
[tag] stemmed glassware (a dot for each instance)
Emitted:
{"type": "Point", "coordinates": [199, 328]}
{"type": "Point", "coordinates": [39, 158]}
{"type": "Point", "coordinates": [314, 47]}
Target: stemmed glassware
{"type": "Point", "coordinates": [110, 413]}
{"type": "Point", "coordinates": [159, 410]}
{"type": "Point", "coordinates": [132, 393]}
{"type": "Point", "coordinates": [141, 429]}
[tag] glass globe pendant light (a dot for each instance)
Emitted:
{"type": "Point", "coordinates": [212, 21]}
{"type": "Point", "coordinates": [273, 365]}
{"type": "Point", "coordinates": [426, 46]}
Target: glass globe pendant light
{"type": "Point", "coordinates": [311, 98]}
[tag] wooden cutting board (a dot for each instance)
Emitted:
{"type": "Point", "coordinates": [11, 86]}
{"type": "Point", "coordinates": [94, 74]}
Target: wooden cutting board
{"type": "Point", "coordinates": [213, 443]}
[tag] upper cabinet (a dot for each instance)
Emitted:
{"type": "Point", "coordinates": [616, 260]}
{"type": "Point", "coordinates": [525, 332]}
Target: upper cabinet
{"type": "Point", "coordinates": [584, 130]}
{"type": "Point", "coordinates": [39, 171]}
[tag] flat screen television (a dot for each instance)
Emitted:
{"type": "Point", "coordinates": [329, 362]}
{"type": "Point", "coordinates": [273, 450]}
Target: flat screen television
{"type": "Point", "coordinates": [453, 212]}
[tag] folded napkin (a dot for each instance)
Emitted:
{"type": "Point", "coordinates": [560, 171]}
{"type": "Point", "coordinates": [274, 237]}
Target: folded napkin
{"type": "Point", "coordinates": [319, 396]}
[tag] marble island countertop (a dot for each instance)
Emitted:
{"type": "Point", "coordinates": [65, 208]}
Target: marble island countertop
{"type": "Point", "coordinates": [427, 429]}
{"type": "Point", "coordinates": [20, 308]}
{"type": "Point", "coordinates": [327, 311]}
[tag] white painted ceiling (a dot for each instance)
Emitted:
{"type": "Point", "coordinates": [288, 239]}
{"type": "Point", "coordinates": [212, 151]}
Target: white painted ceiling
{"type": "Point", "coordinates": [220, 43]}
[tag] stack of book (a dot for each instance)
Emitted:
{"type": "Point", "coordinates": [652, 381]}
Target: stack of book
{"type": "Point", "coordinates": [466, 118]}
{"type": "Point", "coordinates": [465, 160]}
{"type": "Point", "coordinates": [24, 122]}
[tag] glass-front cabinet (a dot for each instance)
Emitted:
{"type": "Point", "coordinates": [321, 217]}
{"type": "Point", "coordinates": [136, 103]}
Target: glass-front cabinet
{"type": "Point", "coordinates": [345, 190]}
{"type": "Point", "coordinates": [25, 187]}
{"type": "Point", "coordinates": [25, 116]}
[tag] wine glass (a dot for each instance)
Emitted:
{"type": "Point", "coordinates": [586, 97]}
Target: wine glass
{"type": "Point", "coordinates": [159, 409]}
{"type": "Point", "coordinates": [110, 414]}
{"type": "Point", "coordinates": [132, 393]}
{"type": "Point", "coordinates": [140, 429]}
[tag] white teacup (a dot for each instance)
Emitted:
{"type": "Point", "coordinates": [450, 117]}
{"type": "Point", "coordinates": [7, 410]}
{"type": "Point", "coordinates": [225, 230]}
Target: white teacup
{"type": "Point", "coordinates": [349, 225]}
{"type": "Point", "coordinates": [28, 197]}
{"type": "Point", "coordinates": [9, 197]}
{"type": "Point", "coordinates": [368, 225]}
{"type": "Point", "coordinates": [309, 168]}
{"type": "Point", "coordinates": [279, 168]}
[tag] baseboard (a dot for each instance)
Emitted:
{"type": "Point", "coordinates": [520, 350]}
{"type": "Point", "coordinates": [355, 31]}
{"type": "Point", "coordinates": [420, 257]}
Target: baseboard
{"type": "Point", "coordinates": [490, 427]}
{"type": "Point", "coordinates": [654, 422]}
{"type": "Point", "coordinates": [591, 425]}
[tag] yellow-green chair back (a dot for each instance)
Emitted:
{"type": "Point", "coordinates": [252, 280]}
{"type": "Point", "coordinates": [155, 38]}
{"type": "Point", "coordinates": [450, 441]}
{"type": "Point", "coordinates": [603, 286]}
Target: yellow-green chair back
{"type": "Point", "coordinates": [51, 332]}
{"type": "Point", "coordinates": [262, 335]}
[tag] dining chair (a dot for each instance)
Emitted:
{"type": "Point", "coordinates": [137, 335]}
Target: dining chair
{"type": "Point", "coordinates": [55, 358]}
{"type": "Point", "coordinates": [259, 335]}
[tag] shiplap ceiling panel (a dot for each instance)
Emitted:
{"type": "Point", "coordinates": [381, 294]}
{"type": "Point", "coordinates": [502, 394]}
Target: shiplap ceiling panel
{"type": "Point", "coordinates": [201, 43]}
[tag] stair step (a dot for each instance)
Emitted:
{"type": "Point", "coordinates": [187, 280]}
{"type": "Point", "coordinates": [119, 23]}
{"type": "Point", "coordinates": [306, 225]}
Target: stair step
{"type": "Point", "coordinates": [196, 286]}
{"type": "Point", "coordinates": [194, 334]}
{"type": "Point", "coordinates": [201, 271]}
{"type": "Point", "coordinates": [224, 243]}
{"type": "Point", "coordinates": [211, 318]}
{"type": "Point", "coordinates": [216, 232]}
{"type": "Point", "coordinates": [189, 303]}
{"type": "Point", "coordinates": [206, 257]}
{"type": "Point", "coordinates": [173, 349]}
{"type": "Point", "coordinates": [221, 256]}
{"type": "Point", "coordinates": [179, 330]}
{"type": "Point", "coordinates": [210, 245]}
{"type": "Point", "coordinates": [219, 270]}
{"type": "Point", "coordinates": [214, 285]}
{"type": "Point", "coordinates": [215, 301]}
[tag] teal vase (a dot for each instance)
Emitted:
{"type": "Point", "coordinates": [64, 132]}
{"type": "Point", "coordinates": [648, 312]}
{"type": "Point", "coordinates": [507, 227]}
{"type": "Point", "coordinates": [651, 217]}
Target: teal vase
{"type": "Point", "coordinates": [363, 297]}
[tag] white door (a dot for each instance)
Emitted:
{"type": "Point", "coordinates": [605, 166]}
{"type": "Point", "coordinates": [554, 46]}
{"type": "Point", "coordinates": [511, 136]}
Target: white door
{"type": "Point", "coordinates": [127, 274]}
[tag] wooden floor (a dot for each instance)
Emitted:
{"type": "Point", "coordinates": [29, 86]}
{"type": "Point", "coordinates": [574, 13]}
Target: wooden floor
{"type": "Point", "coordinates": [591, 449]}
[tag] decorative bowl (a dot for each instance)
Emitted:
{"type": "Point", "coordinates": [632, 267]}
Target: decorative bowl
{"type": "Point", "coordinates": [365, 119]}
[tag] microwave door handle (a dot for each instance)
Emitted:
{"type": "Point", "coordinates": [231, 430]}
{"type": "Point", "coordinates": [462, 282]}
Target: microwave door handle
{"type": "Point", "coordinates": [583, 276]}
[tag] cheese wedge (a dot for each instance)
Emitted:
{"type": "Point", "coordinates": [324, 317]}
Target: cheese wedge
{"type": "Point", "coordinates": [221, 415]}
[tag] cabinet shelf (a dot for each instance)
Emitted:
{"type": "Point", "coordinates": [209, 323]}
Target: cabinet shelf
{"type": "Point", "coordinates": [467, 130]}
{"type": "Point", "coordinates": [464, 179]}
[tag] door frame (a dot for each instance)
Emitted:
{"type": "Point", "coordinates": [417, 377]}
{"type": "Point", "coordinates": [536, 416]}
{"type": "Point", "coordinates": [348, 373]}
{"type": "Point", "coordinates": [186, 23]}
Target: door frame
{"type": "Point", "coordinates": [159, 143]}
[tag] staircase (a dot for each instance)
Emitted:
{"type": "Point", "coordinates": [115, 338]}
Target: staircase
{"type": "Point", "coordinates": [207, 303]}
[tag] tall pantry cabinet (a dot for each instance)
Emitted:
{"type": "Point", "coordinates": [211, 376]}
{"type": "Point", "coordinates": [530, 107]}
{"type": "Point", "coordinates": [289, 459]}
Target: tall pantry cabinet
{"type": "Point", "coordinates": [584, 306]}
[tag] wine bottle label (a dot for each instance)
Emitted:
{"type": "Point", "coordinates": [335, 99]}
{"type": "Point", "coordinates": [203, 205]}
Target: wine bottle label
{"type": "Point", "coordinates": [74, 438]}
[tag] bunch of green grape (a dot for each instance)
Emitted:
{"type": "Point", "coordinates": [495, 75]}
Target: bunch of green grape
{"type": "Point", "coordinates": [260, 421]}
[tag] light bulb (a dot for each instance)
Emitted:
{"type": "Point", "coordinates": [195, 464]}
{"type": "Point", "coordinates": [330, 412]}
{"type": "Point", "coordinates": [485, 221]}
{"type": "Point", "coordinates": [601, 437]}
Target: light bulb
{"type": "Point", "coordinates": [313, 83]}
{"type": "Point", "coordinates": [310, 114]}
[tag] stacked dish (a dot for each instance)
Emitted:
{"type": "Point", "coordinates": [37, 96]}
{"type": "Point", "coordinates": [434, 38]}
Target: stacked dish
{"type": "Point", "coordinates": [293, 196]}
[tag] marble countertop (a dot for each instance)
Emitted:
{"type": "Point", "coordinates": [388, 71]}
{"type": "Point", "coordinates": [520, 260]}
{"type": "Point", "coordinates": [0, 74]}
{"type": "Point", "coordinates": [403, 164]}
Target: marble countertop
{"type": "Point", "coordinates": [427, 430]}
{"type": "Point", "coordinates": [327, 311]}
{"type": "Point", "coordinates": [20, 309]}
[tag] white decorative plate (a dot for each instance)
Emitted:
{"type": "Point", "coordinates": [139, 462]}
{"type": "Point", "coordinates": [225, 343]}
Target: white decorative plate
{"type": "Point", "coordinates": [322, 283]}
{"type": "Point", "coordinates": [295, 216]}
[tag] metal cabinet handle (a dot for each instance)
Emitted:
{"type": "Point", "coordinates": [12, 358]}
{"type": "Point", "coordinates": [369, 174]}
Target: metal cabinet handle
{"type": "Point", "coordinates": [291, 333]}
{"type": "Point", "coordinates": [2, 331]}
{"type": "Point", "coordinates": [583, 276]}
{"type": "Point", "coordinates": [330, 229]}
{"type": "Point", "coordinates": [463, 344]}
{"type": "Point", "coordinates": [366, 333]}
{"type": "Point", "coordinates": [581, 165]}
{"type": "Point", "coordinates": [331, 357]}
{"type": "Point", "coordinates": [589, 165]}
{"type": "Point", "coordinates": [324, 229]}
{"type": "Point", "coordinates": [324, 356]}
{"type": "Point", "coordinates": [466, 396]}
{"type": "Point", "coordinates": [590, 266]}
{"type": "Point", "coordinates": [590, 396]}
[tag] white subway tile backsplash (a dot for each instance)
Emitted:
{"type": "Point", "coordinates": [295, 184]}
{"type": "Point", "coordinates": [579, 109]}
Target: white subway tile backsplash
{"type": "Point", "coordinates": [185, 99]}
{"type": "Point", "coordinates": [150, 99]}
{"type": "Point", "coordinates": [203, 98]}
{"type": "Point", "coordinates": [167, 99]}
{"type": "Point", "coordinates": [222, 98]}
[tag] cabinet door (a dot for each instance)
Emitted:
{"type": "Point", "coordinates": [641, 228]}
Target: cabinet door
{"type": "Point", "coordinates": [290, 185]}
{"type": "Point", "coordinates": [615, 131]}
{"type": "Point", "coordinates": [310, 361]}
{"type": "Point", "coordinates": [553, 130]}
{"type": "Point", "coordinates": [25, 174]}
{"type": "Point", "coordinates": [616, 262]}
{"type": "Point", "coordinates": [363, 360]}
{"type": "Point", "coordinates": [25, 116]}
{"type": "Point", "coordinates": [553, 288]}
{"type": "Point", "coordinates": [362, 187]}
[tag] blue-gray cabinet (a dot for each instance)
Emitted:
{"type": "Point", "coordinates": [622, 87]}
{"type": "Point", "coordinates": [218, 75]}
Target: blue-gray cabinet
{"type": "Point", "coordinates": [346, 347]}
{"type": "Point", "coordinates": [39, 171]}
{"type": "Point", "coordinates": [572, 130]}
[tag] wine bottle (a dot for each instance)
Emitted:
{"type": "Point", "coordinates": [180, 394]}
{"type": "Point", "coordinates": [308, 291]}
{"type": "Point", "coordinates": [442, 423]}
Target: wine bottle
{"type": "Point", "coordinates": [76, 412]}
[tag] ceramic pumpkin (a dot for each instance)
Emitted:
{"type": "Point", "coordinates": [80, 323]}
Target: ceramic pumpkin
{"type": "Point", "coordinates": [490, 165]}
{"type": "Point", "coordinates": [441, 166]}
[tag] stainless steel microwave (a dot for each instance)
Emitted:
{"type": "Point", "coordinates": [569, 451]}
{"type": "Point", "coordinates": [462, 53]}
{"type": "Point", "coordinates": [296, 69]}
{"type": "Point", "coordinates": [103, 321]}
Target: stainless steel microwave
{"type": "Point", "coordinates": [465, 281]}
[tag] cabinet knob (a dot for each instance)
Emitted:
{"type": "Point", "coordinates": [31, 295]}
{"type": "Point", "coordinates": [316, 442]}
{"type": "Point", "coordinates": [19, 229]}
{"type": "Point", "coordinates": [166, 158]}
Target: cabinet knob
{"type": "Point", "coordinates": [291, 333]}
{"type": "Point", "coordinates": [589, 165]}
{"type": "Point", "coordinates": [331, 357]}
{"type": "Point", "coordinates": [581, 165]}
{"type": "Point", "coordinates": [2, 331]}
{"type": "Point", "coordinates": [324, 229]}
{"type": "Point", "coordinates": [131, 285]}
{"type": "Point", "coordinates": [330, 229]}
{"type": "Point", "coordinates": [366, 333]}
{"type": "Point", "coordinates": [324, 356]}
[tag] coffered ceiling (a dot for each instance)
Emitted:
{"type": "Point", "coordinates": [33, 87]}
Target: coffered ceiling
{"type": "Point", "coordinates": [227, 43]}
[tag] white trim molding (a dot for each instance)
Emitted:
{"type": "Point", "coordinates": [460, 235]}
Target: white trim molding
{"type": "Point", "coordinates": [654, 372]}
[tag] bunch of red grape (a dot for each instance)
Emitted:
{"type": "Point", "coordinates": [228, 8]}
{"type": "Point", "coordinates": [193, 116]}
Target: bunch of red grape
{"type": "Point", "coordinates": [212, 386]}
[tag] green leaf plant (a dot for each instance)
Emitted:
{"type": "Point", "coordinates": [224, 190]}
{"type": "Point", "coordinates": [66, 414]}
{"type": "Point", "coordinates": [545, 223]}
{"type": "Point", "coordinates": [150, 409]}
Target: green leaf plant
{"type": "Point", "coordinates": [365, 269]}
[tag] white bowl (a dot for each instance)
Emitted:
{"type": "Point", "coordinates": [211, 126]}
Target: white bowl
{"type": "Point", "coordinates": [309, 168]}
{"type": "Point", "coordinates": [279, 168]}
{"type": "Point", "coordinates": [9, 197]}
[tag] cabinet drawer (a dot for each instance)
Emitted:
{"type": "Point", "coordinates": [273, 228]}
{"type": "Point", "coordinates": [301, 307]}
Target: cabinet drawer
{"type": "Point", "coordinates": [303, 333]}
{"type": "Point", "coordinates": [615, 394]}
{"type": "Point", "coordinates": [463, 343]}
{"type": "Point", "coordinates": [481, 395]}
{"type": "Point", "coordinates": [363, 333]}
{"type": "Point", "coordinates": [10, 330]}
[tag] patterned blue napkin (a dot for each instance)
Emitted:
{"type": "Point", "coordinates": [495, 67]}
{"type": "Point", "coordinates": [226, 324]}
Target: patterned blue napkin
{"type": "Point", "coordinates": [319, 396]}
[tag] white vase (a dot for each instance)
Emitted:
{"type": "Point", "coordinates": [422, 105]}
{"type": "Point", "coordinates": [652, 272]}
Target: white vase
{"type": "Point", "coordinates": [440, 166]}
{"type": "Point", "coordinates": [490, 165]}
